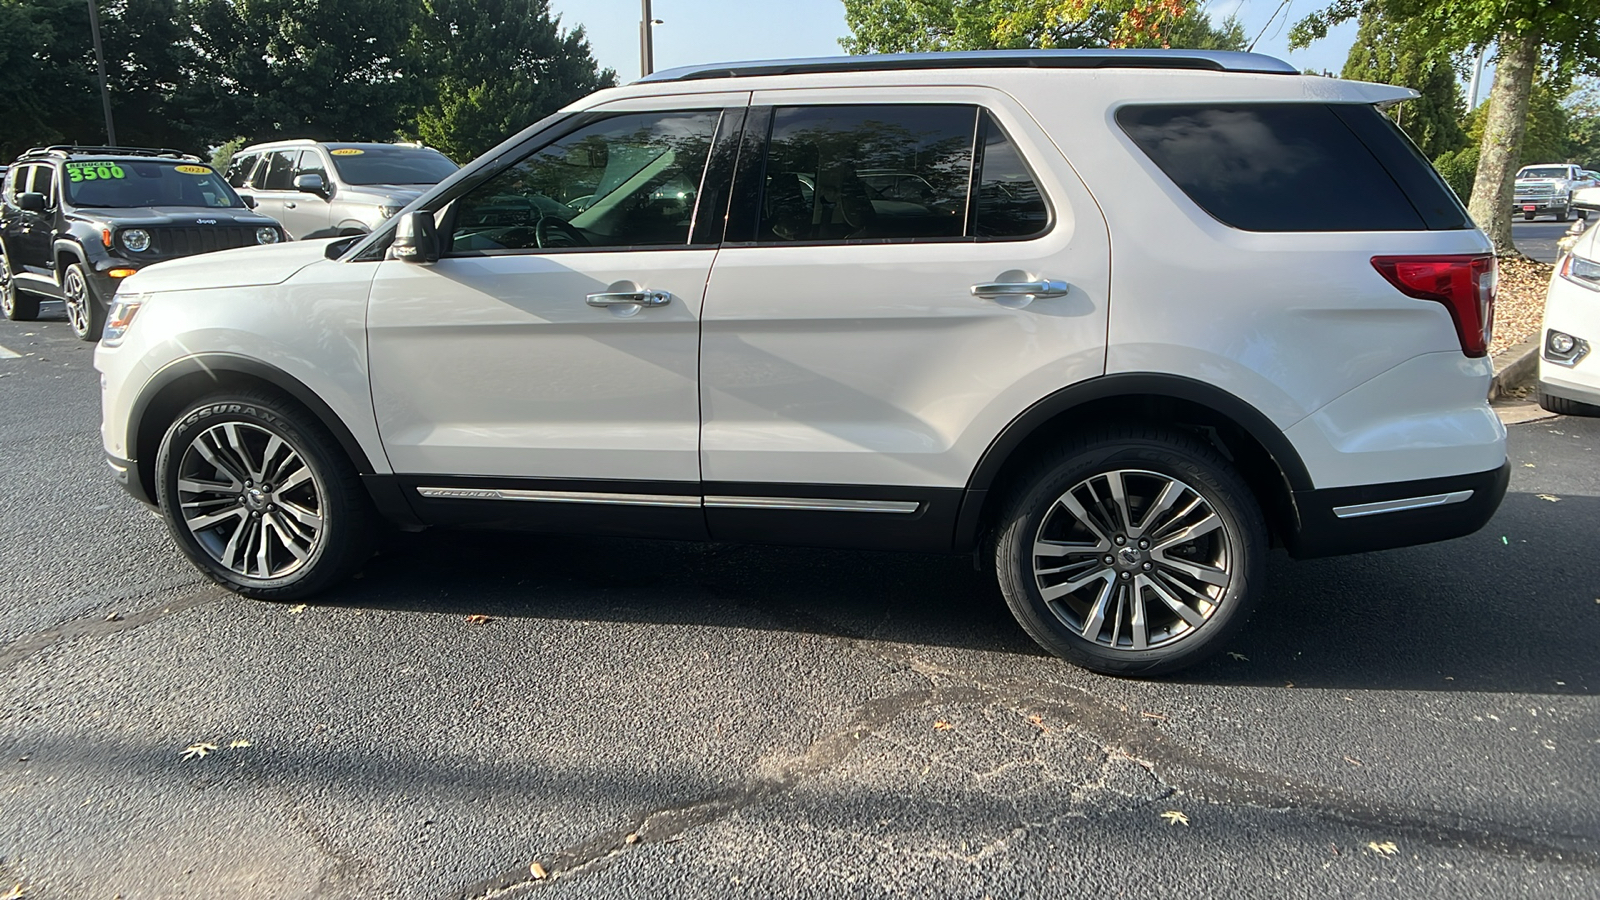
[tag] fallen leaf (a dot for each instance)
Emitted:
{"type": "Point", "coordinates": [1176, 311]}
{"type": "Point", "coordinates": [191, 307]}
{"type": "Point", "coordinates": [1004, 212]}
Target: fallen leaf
{"type": "Point", "coordinates": [236, 744]}
{"type": "Point", "coordinates": [942, 725]}
{"type": "Point", "coordinates": [1239, 656]}
{"type": "Point", "coordinates": [1038, 722]}
{"type": "Point", "coordinates": [1174, 817]}
{"type": "Point", "coordinates": [1387, 848]}
{"type": "Point", "coordinates": [632, 838]}
{"type": "Point", "coordinates": [1352, 761]}
{"type": "Point", "coordinates": [110, 617]}
{"type": "Point", "coordinates": [298, 608]}
{"type": "Point", "coordinates": [1151, 715]}
{"type": "Point", "coordinates": [1528, 465]}
{"type": "Point", "coordinates": [1551, 497]}
{"type": "Point", "coordinates": [537, 871]}
{"type": "Point", "coordinates": [16, 893]}
{"type": "Point", "coordinates": [197, 751]}
{"type": "Point", "coordinates": [478, 619]}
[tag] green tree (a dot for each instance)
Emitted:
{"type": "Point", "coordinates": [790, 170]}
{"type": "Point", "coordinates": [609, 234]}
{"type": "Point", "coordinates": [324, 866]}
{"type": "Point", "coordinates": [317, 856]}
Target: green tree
{"type": "Point", "coordinates": [493, 67]}
{"type": "Point", "coordinates": [326, 69]}
{"type": "Point", "coordinates": [918, 26]}
{"type": "Point", "coordinates": [1524, 31]}
{"type": "Point", "coordinates": [47, 68]}
{"type": "Point", "coordinates": [1388, 52]}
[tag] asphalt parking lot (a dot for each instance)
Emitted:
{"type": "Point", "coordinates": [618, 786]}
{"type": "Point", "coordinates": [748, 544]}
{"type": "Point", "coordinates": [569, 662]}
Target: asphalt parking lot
{"type": "Point", "coordinates": [515, 715]}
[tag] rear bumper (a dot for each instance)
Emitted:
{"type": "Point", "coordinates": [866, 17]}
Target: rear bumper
{"type": "Point", "coordinates": [1336, 521]}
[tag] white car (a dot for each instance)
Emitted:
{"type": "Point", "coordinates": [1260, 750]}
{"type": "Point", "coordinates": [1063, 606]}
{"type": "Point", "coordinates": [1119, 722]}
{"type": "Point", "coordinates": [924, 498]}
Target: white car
{"type": "Point", "coordinates": [1095, 348]}
{"type": "Point", "coordinates": [1569, 377]}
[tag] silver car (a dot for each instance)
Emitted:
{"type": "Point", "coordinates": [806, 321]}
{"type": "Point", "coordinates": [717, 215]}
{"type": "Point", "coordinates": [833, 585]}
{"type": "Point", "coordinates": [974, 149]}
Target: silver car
{"type": "Point", "coordinates": [327, 188]}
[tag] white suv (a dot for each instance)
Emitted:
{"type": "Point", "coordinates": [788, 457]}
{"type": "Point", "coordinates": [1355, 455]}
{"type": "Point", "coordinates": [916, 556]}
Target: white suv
{"type": "Point", "coordinates": [1086, 338]}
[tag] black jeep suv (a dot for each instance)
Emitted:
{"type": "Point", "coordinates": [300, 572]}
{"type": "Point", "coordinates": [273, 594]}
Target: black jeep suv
{"type": "Point", "coordinates": [74, 220]}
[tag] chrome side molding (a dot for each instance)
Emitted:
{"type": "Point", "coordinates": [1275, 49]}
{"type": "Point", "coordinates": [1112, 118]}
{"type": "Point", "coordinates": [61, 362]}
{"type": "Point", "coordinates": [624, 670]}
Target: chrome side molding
{"type": "Point", "coordinates": [895, 507]}
{"type": "Point", "coordinates": [1358, 510]}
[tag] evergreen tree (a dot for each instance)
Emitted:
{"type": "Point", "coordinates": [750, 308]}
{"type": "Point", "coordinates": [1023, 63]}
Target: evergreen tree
{"type": "Point", "coordinates": [494, 67]}
{"type": "Point", "coordinates": [1386, 51]}
{"type": "Point", "coordinates": [47, 68]}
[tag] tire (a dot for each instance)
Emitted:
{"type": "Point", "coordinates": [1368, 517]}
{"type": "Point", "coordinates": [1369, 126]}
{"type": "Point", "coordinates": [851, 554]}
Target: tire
{"type": "Point", "coordinates": [1564, 213]}
{"type": "Point", "coordinates": [214, 483]}
{"type": "Point", "coordinates": [17, 306]}
{"type": "Point", "coordinates": [1215, 578]}
{"type": "Point", "coordinates": [1528, 216]}
{"type": "Point", "coordinates": [1564, 407]}
{"type": "Point", "coordinates": [86, 313]}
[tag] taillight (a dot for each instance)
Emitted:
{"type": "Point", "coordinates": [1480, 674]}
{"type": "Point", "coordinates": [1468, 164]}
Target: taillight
{"type": "Point", "coordinates": [1464, 284]}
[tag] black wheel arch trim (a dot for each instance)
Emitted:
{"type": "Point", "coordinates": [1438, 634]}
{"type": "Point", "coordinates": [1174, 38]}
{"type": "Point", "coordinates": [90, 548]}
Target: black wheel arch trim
{"type": "Point", "coordinates": [210, 364]}
{"type": "Point", "coordinates": [1177, 387]}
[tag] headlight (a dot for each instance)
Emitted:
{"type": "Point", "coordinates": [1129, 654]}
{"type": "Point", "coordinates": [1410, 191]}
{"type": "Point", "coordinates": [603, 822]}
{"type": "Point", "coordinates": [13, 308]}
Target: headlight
{"type": "Point", "coordinates": [120, 316]}
{"type": "Point", "coordinates": [267, 236]}
{"type": "Point", "coordinates": [136, 239]}
{"type": "Point", "coordinates": [1581, 271]}
{"type": "Point", "coordinates": [386, 212]}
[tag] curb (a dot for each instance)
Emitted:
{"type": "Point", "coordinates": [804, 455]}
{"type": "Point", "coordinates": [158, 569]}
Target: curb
{"type": "Point", "coordinates": [1514, 367]}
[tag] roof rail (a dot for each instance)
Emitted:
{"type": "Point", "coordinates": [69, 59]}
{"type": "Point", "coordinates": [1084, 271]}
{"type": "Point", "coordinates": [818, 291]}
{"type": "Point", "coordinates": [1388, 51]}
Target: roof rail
{"type": "Point", "coordinates": [1213, 60]}
{"type": "Point", "coordinates": [64, 150]}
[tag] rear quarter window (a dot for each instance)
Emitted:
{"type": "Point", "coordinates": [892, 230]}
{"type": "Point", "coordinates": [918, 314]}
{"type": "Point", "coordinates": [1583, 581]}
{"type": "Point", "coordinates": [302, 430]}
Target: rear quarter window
{"type": "Point", "coordinates": [1279, 167]}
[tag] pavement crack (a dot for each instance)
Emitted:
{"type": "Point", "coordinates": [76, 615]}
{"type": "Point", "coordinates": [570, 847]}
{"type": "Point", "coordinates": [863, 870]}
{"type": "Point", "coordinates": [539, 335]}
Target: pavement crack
{"type": "Point", "coordinates": [12, 654]}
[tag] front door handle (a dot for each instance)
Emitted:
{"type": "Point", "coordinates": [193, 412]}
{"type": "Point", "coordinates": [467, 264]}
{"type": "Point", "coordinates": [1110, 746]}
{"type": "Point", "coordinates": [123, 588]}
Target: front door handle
{"type": "Point", "coordinates": [289, 205]}
{"type": "Point", "coordinates": [626, 298]}
{"type": "Point", "coordinates": [1018, 290]}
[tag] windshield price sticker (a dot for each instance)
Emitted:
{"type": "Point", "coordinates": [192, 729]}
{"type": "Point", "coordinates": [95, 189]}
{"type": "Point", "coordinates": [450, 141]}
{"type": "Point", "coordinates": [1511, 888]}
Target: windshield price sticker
{"type": "Point", "coordinates": [94, 171]}
{"type": "Point", "coordinates": [192, 170]}
{"type": "Point", "coordinates": [347, 151]}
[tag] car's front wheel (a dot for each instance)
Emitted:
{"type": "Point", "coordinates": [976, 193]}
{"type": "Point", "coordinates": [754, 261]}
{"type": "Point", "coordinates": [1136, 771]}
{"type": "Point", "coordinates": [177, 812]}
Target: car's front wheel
{"type": "Point", "coordinates": [1134, 551]}
{"type": "Point", "coordinates": [261, 497]}
{"type": "Point", "coordinates": [85, 312]}
{"type": "Point", "coordinates": [17, 306]}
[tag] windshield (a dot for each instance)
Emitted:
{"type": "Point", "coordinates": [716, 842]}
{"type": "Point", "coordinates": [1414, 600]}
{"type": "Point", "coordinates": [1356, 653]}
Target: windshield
{"type": "Point", "coordinates": [126, 183]}
{"type": "Point", "coordinates": [1544, 172]}
{"type": "Point", "coordinates": [384, 164]}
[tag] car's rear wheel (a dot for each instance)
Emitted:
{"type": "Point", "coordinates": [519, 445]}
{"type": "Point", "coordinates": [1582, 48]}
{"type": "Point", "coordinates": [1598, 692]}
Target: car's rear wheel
{"type": "Point", "coordinates": [17, 306]}
{"type": "Point", "coordinates": [85, 312]}
{"type": "Point", "coordinates": [1135, 551]}
{"type": "Point", "coordinates": [1563, 406]}
{"type": "Point", "coordinates": [261, 497]}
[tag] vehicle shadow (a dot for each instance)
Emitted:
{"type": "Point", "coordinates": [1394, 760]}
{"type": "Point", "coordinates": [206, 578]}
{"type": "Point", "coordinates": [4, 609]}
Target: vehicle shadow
{"type": "Point", "coordinates": [1513, 608]}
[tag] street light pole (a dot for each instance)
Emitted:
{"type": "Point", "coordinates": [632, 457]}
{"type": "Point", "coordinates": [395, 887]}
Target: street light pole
{"type": "Point", "coordinates": [100, 62]}
{"type": "Point", "coordinates": [647, 53]}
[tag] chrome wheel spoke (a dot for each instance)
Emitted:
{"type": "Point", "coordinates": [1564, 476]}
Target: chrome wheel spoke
{"type": "Point", "coordinates": [250, 500]}
{"type": "Point", "coordinates": [1132, 560]}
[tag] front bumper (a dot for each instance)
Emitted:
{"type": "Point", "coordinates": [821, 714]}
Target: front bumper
{"type": "Point", "coordinates": [1575, 310]}
{"type": "Point", "coordinates": [126, 471]}
{"type": "Point", "coordinates": [1539, 204]}
{"type": "Point", "coordinates": [1336, 521]}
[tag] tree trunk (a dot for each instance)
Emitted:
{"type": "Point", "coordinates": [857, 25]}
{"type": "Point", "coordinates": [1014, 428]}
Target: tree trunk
{"type": "Point", "coordinates": [1503, 127]}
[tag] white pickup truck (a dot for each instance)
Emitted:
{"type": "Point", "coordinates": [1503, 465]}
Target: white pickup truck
{"type": "Point", "coordinates": [1547, 188]}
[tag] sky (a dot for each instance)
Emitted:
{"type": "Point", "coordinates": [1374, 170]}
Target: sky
{"type": "Point", "coordinates": [704, 31]}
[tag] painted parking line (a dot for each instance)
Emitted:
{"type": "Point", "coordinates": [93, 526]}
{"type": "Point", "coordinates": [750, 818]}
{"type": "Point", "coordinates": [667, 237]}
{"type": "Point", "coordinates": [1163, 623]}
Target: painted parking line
{"type": "Point", "coordinates": [8, 353]}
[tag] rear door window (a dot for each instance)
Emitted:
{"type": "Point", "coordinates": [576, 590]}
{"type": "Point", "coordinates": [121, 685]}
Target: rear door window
{"type": "Point", "coordinates": [1279, 167]}
{"type": "Point", "coordinates": [240, 167]}
{"type": "Point", "coordinates": [280, 171]}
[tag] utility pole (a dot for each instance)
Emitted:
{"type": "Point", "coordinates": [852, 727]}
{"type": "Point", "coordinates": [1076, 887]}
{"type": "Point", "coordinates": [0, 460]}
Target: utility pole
{"type": "Point", "coordinates": [100, 63]}
{"type": "Point", "coordinates": [1477, 76]}
{"type": "Point", "coordinates": [647, 50]}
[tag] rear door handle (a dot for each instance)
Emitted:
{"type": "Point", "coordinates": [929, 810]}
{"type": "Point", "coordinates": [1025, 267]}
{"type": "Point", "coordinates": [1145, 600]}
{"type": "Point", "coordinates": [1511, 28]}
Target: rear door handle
{"type": "Point", "coordinates": [1017, 290]}
{"type": "Point", "coordinates": [625, 298]}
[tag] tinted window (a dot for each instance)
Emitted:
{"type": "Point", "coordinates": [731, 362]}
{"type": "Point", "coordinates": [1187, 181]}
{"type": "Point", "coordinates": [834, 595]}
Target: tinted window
{"type": "Point", "coordinates": [44, 183]}
{"type": "Point", "coordinates": [311, 164]}
{"type": "Point", "coordinates": [131, 183]}
{"type": "Point", "coordinates": [625, 181]}
{"type": "Point", "coordinates": [239, 168]}
{"type": "Point", "coordinates": [1272, 167]}
{"type": "Point", "coordinates": [279, 171]}
{"type": "Point", "coordinates": [1008, 203]}
{"type": "Point", "coordinates": [17, 182]}
{"type": "Point", "coordinates": [385, 164]}
{"type": "Point", "coordinates": [867, 172]}
{"type": "Point", "coordinates": [1545, 172]}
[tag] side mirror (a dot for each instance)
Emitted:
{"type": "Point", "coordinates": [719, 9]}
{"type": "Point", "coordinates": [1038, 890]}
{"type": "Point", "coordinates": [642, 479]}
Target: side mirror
{"type": "Point", "coordinates": [1588, 198]}
{"type": "Point", "coordinates": [249, 200]}
{"type": "Point", "coordinates": [310, 184]}
{"type": "Point", "coordinates": [415, 238]}
{"type": "Point", "coordinates": [32, 201]}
